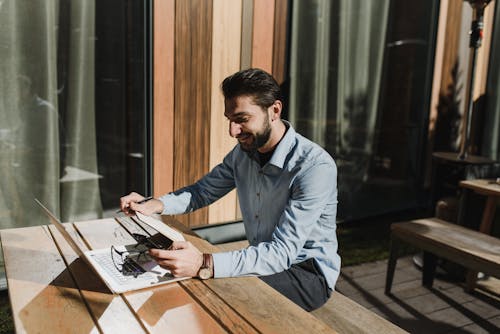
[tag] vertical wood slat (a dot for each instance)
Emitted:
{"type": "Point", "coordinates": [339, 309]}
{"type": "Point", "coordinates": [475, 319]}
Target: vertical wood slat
{"type": "Point", "coordinates": [163, 115]}
{"type": "Point", "coordinates": [263, 34]}
{"type": "Point", "coordinates": [226, 45]}
{"type": "Point", "coordinates": [438, 63]}
{"type": "Point", "coordinates": [193, 39]}
{"type": "Point", "coordinates": [279, 44]}
{"type": "Point", "coordinates": [246, 34]}
{"type": "Point", "coordinates": [484, 52]}
{"type": "Point", "coordinates": [451, 44]}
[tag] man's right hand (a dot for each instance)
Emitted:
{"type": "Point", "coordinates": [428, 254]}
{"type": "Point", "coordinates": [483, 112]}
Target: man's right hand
{"type": "Point", "coordinates": [129, 204]}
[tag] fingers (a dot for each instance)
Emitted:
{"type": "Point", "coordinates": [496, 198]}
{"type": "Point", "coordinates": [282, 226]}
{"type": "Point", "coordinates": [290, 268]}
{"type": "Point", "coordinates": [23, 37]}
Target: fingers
{"type": "Point", "coordinates": [183, 258]}
{"type": "Point", "coordinates": [172, 252]}
{"type": "Point", "coordinates": [127, 200]}
{"type": "Point", "coordinates": [147, 208]}
{"type": "Point", "coordinates": [133, 202]}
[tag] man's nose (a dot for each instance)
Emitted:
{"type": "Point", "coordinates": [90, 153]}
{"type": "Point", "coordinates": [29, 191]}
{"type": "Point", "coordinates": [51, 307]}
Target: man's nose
{"type": "Point", "coordinates": [234, 129]}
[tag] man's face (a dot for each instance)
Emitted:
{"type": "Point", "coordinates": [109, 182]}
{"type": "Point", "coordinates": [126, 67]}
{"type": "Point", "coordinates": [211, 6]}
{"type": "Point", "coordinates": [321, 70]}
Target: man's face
{"type": "Point", "coordinates": [247, 122]}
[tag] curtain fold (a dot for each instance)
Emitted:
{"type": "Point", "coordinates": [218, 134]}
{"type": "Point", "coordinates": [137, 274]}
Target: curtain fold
{"type": "Point", "coordinates": [39, 136]}
{"type": "Point", "coordinates": [491, 134]}
{"type": "Point", "coordinates": [336, 61]}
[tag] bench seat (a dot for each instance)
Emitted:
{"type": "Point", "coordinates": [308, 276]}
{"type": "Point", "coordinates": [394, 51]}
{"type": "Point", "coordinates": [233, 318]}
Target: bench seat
{"type": "Point", "coordinates": [474, 250]}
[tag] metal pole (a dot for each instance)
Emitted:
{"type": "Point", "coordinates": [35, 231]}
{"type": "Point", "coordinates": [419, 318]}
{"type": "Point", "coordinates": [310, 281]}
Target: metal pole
{"type": "Point", "coordinates": [476, 36]}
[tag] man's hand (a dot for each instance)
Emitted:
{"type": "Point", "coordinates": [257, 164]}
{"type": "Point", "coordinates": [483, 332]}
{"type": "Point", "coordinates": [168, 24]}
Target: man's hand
{"type": "Point", "coordinates": [130, 203]}
{"type": "Point", "coordinates": [183, 259]}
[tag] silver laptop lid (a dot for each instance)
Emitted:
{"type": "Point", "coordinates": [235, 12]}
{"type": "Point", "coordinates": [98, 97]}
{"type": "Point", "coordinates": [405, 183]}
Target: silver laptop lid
{"type": "Point", "coordinates": [60, 227]}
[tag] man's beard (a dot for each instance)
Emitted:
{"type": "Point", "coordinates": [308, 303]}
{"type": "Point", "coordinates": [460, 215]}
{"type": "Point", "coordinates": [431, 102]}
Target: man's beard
{"type": "Point", "coordinates": [259, 139]}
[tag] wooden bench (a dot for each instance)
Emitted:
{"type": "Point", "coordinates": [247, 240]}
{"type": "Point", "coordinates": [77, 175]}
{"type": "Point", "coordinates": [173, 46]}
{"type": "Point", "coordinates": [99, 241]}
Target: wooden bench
{"type": "Point", "coordinates": [346, 316]}
{"type": "Point", "coordinates": [437, 238]}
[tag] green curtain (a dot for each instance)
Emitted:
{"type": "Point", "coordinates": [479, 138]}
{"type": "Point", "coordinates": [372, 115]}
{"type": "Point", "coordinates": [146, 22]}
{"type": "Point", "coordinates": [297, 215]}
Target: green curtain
{"type": "Point", "coordinates": [336, 60]}
{"type": "Point", "coordinates": [491, 134]}
{"type": "Point", "coordinates": [47, 127]}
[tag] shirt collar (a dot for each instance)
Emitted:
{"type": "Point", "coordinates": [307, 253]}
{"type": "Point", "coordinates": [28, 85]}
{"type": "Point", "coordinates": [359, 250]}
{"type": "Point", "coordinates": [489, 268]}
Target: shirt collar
{"type": "Point", "coordinates": [284, 147]}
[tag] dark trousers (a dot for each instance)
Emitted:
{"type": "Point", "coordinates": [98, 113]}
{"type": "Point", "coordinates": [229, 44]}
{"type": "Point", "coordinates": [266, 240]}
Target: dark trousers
{"type": "Point", "coordinates": [303, 284]}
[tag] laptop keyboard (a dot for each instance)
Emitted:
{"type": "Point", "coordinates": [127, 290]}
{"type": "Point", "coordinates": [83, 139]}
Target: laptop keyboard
{"type": "Point", "coordinates": [104, 259]}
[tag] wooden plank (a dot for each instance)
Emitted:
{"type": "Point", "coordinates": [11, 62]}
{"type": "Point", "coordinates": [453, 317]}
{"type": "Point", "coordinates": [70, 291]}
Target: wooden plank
{"type": "Point", "coordinates": [163, 98]}
{"type": "Point", "coordinates": [472, 249]}
{"type": "Point", "coordinates": [346, 316]}
{"type": "Point", "coordinates": [227, 316]}
{"type": "Point", "coordinates": [42, 293]}
{"type": "Point", "coordinates": [110, 311]}
{"type": "Point", "coordinates": [438, 66]}
{"type": "Point", "coordinates": [163, 309]}
{"type": "Point", "coordinates": [263, 34]}
{"type": "Point", "coordinates": [262, 306]}
{"type": "Point", "coordinates": [482, 187]}
{"type": "Point", "coordinates": [226, 45]}
{"type": "Point", "coordinates": [483, 54]}
{"type": "Point", "coordinates": [246, 34]}
{"type": "Point", "coordinates": [279, 43]}
{"type": "Point", "coordinates": [170, 309]}
{"type": "Point", "coordinates": [193, 40]}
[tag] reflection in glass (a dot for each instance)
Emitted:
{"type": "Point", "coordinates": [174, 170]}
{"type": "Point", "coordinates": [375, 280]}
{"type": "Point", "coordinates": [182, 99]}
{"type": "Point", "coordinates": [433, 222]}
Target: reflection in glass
{"type": "Point", "coordinates": [72, 107]}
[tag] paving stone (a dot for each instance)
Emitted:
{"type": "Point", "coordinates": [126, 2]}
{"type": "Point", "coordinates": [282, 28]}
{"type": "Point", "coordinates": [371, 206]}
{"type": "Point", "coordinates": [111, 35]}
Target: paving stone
{"type": "Point", "coordinates": [445, 308]}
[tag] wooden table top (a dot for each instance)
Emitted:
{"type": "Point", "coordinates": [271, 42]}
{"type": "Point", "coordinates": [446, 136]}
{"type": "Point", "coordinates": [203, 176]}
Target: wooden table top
{"type": "Point", "coordinates": [53, 291]}
{"type": "Point", "coordinates": [488, 187]}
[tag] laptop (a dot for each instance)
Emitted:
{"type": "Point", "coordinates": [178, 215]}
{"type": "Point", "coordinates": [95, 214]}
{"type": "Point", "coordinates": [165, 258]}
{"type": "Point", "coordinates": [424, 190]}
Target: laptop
{"type": "Point", "coordinates": [129, 267]}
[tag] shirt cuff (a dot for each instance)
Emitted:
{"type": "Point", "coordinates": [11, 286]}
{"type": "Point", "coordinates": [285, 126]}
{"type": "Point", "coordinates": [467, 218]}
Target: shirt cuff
{"type": "Point", "coordinates": [222, 264]}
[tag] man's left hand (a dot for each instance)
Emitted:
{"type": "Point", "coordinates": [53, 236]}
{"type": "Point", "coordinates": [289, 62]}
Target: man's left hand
{"type": "Point", "coordinates": [183, 259]}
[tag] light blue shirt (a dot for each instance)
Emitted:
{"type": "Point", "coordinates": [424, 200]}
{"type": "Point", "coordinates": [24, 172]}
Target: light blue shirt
{"type": "Point", "coordinates": [289, 208]}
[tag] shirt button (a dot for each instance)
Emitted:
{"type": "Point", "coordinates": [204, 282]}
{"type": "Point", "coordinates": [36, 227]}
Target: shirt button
{"type": "Point", "coordinates": [256, 216]}
{"type": "Point", "coordinates": [258, 194]}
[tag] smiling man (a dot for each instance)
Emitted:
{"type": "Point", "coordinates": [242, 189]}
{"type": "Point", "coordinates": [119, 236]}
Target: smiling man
{"type": "Point", "coordinates": [287, 188]}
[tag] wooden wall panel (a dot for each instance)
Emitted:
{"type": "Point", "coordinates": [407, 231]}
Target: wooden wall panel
{"type": "Point", "coordinates": [197, 43]}
{"type": "Point", "coordinates": [451, 44]}
{"type": "Point", "coordinates": [438, 66]}
{"type": "Point", "coordinates": [163, 101]}
{"type": "Point", "coordinates": [246, 34]}
{"type": "Point", "coordinates": [226, 46]}
{"type": "Point", "coordinates": [263, 34]}
{"type": "Point", "coordinates": [279, 44]}
{"type": "Point", "coordinates": [193, 39]}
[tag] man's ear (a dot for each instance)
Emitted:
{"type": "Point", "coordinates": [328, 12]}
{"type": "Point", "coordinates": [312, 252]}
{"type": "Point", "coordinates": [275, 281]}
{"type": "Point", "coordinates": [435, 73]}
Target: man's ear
{"type": "Point", "coordinates": [276, 110]}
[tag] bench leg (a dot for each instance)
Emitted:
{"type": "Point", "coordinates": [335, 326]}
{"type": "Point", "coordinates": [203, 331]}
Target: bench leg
{"type": "Point", "coordinates": [470, 280]}
{"type": "Point", "coordinates": [429, 269]}
{"type": "Point", "coordinates": [391, 265]}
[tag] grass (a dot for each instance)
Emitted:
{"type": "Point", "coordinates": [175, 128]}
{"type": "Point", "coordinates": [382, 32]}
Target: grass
{"type": "Point", "coordinates": [369, 240]}
{"type": "Point", "coordinates": [6, 323]}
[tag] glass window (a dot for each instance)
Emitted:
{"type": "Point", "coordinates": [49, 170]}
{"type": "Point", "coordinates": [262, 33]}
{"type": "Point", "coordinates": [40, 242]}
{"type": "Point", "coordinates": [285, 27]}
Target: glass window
{"type": "Point", "coordinates": [491, 132]}
{"type": "Point", "coordinates": [74, 107]}
{"type": "Point", "coordinates": [360, 74]}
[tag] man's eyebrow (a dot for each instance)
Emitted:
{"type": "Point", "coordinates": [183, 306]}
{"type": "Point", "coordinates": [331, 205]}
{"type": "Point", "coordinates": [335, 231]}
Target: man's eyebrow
{"type": "Point", "coordinates": [238, 114]}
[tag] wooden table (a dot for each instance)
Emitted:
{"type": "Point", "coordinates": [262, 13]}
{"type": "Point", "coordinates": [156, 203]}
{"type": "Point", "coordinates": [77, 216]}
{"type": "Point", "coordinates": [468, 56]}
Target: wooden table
{"type": "Point", "coordinates": [53, 291]}
{"type": "Point", "coordinates": [492, 192]}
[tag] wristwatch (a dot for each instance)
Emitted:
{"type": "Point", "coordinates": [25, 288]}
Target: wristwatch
{"type": "Point", "coordinates": [207, 267]}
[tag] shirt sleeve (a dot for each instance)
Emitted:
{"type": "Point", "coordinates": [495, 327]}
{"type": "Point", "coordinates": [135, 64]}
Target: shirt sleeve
{"type": "Point", "coordinates": [311, 196]}
{"type": "Point", "coordinates": [214, 185]}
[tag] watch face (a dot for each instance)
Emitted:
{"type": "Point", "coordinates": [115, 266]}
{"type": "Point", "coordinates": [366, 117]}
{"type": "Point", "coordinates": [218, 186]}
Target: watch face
{"type": "Point", "coordinates": [204, 273]}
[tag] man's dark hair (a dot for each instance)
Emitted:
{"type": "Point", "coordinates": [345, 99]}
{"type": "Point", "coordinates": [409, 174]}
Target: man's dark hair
{"type": "Point", "coordinates": [253, 82]}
